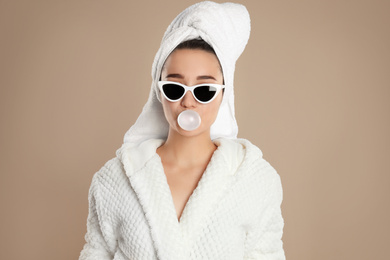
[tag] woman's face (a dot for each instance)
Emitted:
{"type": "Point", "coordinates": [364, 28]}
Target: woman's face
{"type": "Point", "coordinates": [191, 67]}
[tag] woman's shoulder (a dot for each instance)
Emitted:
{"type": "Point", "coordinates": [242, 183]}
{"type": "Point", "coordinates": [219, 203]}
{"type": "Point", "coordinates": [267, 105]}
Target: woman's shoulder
{"type": "Point", "coordinates": [249, 158]}
{"type": "Point", "coordinates": [110, 173]}
{"type": "Point", "coordinates": [239, 144]}
{"type": "Point", "coordinates": [239, 148]}
{"type": "Point", "coordinates": [129, 159]}
{"type": "Point", "coordinates": [134, 156]}
{"type": "Point", "coordinates": [256, 173]}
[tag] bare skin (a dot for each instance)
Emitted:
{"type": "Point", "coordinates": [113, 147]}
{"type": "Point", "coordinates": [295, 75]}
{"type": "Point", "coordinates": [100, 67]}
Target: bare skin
{"type": "Point", "coordinates": [186, 154]}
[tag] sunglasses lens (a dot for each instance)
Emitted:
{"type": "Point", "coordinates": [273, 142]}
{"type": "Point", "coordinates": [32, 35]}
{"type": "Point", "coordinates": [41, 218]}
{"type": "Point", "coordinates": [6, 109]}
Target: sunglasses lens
{"type": "Point", "coordinates": [205, 93]}
{"type": "Point", "coordinates": [173, 91]}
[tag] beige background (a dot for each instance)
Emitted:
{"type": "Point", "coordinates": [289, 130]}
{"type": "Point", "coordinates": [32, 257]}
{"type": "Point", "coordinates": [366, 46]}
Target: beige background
{"type": "Point", "coordinates": [312, 91]}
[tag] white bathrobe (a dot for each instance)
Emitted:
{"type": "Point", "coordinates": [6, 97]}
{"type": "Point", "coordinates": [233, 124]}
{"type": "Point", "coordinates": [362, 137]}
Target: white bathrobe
{"type": "Point", "coordinates": [234, 212]}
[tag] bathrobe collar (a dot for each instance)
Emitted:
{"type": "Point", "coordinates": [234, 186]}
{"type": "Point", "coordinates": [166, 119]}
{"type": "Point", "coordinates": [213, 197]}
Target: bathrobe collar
{"type": "Point", "coordinates": [145, 171]}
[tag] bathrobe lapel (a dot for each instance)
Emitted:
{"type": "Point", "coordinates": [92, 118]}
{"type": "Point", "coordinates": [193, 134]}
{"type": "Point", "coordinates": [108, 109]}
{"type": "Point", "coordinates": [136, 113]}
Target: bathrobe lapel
{"type": "Point", "coordinates": [171, 238]}
{"type": "Point", "coordinates": [145, 172]}
{"type": "Point", "coordinates": [211, 188]}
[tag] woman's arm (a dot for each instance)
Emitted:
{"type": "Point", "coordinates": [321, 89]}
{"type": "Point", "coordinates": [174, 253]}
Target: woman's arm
{"type": "Point", "coordinates": [98, 231]}
{"type": "Point", "coordinates": [264, 241]}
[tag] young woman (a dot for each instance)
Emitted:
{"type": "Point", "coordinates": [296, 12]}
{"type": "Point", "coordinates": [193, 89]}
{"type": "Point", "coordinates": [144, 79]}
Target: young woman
{"type": "Point", "coordinates": [182, 185]}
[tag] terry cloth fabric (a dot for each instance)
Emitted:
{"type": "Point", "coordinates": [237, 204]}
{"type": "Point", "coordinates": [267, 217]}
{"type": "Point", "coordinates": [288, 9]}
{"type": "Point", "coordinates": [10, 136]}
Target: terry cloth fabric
{"type": "Point", "coordinates": [233, 213]}
{"type": "Point", "coordinates": [226, 27]}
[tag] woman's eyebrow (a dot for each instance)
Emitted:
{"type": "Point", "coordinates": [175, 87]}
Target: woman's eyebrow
{"type": "Point", "coordinates": [206, 77]}
{"type": "Point", "coordinates": [175, 75]}
{"type": "Point", "coordinates": [179, 76]}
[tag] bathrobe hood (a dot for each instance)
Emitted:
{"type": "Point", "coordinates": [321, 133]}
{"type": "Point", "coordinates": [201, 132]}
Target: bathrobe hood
{"type": "Point", "coordinates": [226, 27]}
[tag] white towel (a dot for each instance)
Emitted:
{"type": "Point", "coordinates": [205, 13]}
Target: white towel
{"type": "Point", "coordinates": [226, 27]}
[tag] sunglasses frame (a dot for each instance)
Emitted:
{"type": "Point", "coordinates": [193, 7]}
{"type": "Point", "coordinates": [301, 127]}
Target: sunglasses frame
{"type": "Point", "coordinates": [192, 88]}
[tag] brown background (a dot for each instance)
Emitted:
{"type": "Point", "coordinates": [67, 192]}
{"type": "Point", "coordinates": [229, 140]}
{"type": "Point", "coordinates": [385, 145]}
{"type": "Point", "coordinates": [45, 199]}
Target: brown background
{"type": "Point", "coordinates": [312, 91]}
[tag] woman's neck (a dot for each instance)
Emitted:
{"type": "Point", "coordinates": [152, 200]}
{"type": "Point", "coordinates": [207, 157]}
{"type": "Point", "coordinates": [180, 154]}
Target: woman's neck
{"type": "Point", "coordinates": [187, 151]}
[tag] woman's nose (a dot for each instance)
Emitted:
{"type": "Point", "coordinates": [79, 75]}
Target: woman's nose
{"type": "Point", "coordinates": [188, 100]}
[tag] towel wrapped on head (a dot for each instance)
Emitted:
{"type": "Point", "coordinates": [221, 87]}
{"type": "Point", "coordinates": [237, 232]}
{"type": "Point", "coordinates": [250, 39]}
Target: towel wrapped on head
{"type": "Point", "coordinates": [226, 27]}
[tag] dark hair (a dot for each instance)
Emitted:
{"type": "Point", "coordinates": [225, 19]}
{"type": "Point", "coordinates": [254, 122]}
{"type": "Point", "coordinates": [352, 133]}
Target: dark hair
{"type": "Point", "coordinates": [196, 44]}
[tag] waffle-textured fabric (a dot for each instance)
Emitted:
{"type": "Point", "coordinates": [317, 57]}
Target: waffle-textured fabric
{"type": "Point", "coordinates": [234, 212]}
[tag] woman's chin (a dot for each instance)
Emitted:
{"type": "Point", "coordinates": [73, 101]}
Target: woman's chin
{"type": "Point", "coordinates": [193, 133]}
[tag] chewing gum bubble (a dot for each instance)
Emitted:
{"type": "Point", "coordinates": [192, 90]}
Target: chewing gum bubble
{"type": "Point", "coordinates": [189, 120]}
